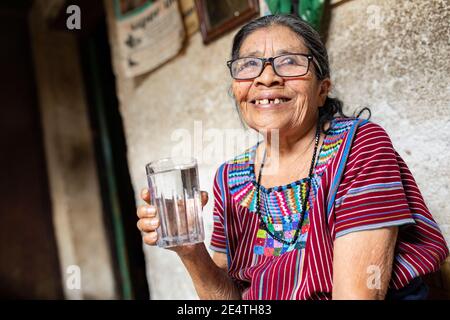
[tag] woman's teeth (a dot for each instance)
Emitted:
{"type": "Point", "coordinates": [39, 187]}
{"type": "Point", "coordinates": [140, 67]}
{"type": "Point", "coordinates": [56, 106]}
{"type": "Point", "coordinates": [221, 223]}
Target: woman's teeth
{"type": "Point", "coordinates": [270, 101]}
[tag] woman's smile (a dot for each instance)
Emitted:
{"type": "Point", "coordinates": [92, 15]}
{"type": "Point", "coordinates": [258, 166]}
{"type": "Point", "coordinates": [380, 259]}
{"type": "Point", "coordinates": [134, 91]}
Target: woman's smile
{"type": "Point", "coordinates": [270, 100]}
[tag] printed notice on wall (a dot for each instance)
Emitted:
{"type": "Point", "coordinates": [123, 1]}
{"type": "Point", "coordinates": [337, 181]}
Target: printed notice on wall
{"type": "Point", "coordinates": [148, 33]}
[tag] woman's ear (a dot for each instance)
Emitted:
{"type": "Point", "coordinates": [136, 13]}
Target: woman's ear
{"type": "Point", "coordinates": [325, 86]}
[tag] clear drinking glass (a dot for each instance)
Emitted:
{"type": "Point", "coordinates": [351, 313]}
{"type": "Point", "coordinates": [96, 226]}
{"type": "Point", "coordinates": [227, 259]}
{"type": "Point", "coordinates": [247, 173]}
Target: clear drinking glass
{"type": "Point", "coordinates": [174, 190]}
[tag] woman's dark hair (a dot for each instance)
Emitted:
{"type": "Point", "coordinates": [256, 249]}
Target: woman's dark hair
{"type": "Point", "coordinates": [313, 43]}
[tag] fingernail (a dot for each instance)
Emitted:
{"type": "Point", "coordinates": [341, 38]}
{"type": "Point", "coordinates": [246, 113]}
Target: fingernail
{"type": "Point", "coordinates": [150, 211]}
{"type": "Point", "coordinates": [153, 222]}
{"type": "Point", "coordinates": [153, 236]}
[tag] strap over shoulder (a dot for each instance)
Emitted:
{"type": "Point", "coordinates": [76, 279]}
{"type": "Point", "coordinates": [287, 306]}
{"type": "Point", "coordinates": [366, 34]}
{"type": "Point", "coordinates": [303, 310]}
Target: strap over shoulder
{"type": "Point", "coordinates": [339, 172]}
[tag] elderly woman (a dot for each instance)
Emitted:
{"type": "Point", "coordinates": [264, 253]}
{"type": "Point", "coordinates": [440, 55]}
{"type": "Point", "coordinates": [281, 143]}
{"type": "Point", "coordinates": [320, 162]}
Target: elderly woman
{"type": "Point", "coordinates": [332, 213]}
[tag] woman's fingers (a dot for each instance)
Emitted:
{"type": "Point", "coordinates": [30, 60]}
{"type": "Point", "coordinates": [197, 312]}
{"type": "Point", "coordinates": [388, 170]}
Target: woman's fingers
{"type": "Point", "coordinates": [148, 224]}
{"type": "Point", "coordinates": [204, 198]}
{"type": "Point", "coordinates": [150, 238]}
{"type": "Point", "coordinates": [145, 195]}
{"type": "Point", "coordinates": [148, 221]}
{"type": "Point", "coordinates": [146, 211]}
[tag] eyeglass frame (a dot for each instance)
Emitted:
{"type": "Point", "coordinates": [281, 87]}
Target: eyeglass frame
{"type": "Point", "coordinates": [271, 59]}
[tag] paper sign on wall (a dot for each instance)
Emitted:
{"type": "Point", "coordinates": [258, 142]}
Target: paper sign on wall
{"type": "Point", "coordinates": [148, 33]}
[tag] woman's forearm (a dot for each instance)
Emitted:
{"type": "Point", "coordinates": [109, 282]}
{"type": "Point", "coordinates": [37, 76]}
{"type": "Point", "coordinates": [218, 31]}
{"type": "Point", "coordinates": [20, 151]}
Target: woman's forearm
{"type": "Point", "coordinates": [210, 281]}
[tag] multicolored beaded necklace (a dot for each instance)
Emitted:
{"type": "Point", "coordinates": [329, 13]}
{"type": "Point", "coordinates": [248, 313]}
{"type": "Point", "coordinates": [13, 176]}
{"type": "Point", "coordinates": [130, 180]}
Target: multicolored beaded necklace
{"type": "Point", "coordinates": [262, 224]}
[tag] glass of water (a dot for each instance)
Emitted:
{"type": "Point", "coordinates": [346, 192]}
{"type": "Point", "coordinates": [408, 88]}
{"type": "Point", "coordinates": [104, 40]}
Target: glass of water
{"type": "Point", "coordinates": [174, 191]}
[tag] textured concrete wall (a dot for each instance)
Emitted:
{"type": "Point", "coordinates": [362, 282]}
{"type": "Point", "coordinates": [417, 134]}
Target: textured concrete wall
{"type": "Point", "coordinates": [389, 55]}
{"type": "Point", "coordinates": [394, 57]}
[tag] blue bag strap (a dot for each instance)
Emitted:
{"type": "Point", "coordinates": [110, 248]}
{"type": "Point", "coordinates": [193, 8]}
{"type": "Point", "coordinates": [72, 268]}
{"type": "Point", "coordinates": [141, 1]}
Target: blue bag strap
{"type": "Point", "coordinates": [339, 172]}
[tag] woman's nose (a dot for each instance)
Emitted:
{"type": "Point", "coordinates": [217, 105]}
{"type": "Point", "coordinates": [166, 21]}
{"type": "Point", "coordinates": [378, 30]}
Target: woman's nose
{"type": "Point", "coordinates": [268, 77]}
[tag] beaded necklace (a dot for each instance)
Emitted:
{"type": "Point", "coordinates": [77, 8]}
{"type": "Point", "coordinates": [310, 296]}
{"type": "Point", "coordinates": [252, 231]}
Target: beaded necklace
{"type": "Point", "coordinates": [262, 224]}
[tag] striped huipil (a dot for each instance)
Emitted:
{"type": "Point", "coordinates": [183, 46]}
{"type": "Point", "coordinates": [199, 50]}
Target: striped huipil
{"type": "Point", "coordinates": [359, 183]}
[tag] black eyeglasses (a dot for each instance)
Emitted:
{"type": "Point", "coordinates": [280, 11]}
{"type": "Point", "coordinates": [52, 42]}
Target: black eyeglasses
{"type": "Point", "coordinates": [285, 65]}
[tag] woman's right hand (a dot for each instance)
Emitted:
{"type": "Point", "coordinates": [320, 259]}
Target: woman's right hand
{"type": "Point", "coordinates": [209, 275]}
{"type": "Point", "coordinates": [148, 223]}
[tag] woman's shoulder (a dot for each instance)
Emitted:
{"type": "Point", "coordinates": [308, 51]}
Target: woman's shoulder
{"type": "Point", "coordinates": [369, 133]}
{"type": "Point", "coordinates": [350, 139]}
{"type": "Point", "coordinates": [364, 129]}
{"type": "Point", "coordinates": [368, 146]}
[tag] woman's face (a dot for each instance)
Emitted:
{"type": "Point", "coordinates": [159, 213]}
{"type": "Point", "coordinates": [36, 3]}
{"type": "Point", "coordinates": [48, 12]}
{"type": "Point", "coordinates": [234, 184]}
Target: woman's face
{"type": "Point", "coordinates": [301, 95]}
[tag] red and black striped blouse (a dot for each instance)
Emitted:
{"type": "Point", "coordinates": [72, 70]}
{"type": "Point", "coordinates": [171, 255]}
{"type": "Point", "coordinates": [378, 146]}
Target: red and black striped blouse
{"type": "Point", "coordinates": [360, 182]}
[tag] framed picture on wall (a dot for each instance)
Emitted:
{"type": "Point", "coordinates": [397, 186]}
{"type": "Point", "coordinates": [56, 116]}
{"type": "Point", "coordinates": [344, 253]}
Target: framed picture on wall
{"type": "Point", "coordinates": [218, 17]}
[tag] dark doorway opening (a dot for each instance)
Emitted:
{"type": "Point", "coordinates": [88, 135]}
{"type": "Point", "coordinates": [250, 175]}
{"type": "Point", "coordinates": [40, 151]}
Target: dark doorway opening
{"type": "Point", "coordinates": [29, 261]}
{"type": "Point", "coordinates": [111, 150]}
